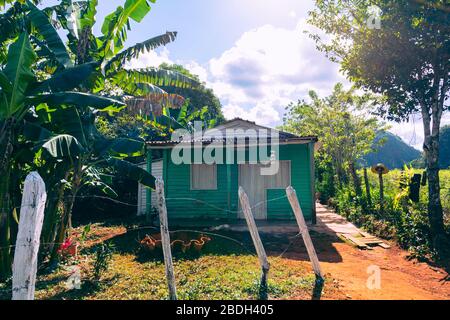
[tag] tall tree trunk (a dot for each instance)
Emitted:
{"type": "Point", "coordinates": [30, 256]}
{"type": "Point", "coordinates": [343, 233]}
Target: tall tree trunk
{"type": "Point", "coordinates": [432, 121]}
{"type": "Point", "coordinates": [435, 211]}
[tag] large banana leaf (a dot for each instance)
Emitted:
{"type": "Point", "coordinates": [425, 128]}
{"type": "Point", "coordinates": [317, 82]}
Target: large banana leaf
{"type": "Point", "coordinates": [67, 79]}
{"type": "Point", "coordinates": [48, 33]}
{"type": "Point", "coordinates": [133, 52]}
{"type": "Point", "coordinates": [67, 120]}
{"type": "Point", "coordinates": [133, 172]}
{"type": "Point", "coordinates": [136, 9]}
{"type": "Point", "coordinates": [5, 84]}
{"type": "Point", "coordinates": [169, 122]}
{"type": "Point", "coordinates": [18, 70]}
{"type": "Point", "coordinates": [154, 103]}
{"type": "Point", "coordinates": [116, 24]}
{"type": "Point", "coordinates": [35, 133]}
{"type": "Point", "coordinates": [120, 147]}
{"type": "Point", "coordinates": [63, 147]}
{"type": "Point", "coordinates": [78, 99]}
{"type": "Point", "coordinates": [155, 76]}
{"type": "Point", "coordinates": [9, 25]}
{"type": "Point", "coordinates": [94, 178]}
{"type": "Point", "coordinates": [88, 17]}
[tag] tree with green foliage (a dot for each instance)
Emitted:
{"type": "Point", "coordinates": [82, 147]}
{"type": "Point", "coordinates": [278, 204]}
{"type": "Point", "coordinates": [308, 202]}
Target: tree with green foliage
{"type": "Point", "coordinates": [51, 95]}
{"type": "Point", "coordinates": [401, 51]}
{"type": "Point", "coordinates": [346, 132]}
{"type": "Point", "coordinates": [198, 97]}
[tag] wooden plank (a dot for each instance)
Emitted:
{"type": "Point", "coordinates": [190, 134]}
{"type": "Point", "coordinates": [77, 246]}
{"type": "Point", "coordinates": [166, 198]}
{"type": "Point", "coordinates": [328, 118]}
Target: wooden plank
{"type": "Point", "coordinates": [384, 245]}
{"type": "Point", "coordinates": [262, 256]}
{"type": "Point", "coordinates": [165, 239]}
{"type": "Point", "coordinates": [356, 241]}
{"type": "Point", "coordinates": [368, 238]}
{"type": "Point", "coordinates": [28, 237]}
{"type": "Point", "coordinates": [292, 196]}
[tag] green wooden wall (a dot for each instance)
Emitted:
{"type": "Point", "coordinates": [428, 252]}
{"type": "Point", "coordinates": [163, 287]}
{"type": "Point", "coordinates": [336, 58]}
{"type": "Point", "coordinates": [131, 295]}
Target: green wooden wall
{"type": "Point", "coordinates": [182, 202]}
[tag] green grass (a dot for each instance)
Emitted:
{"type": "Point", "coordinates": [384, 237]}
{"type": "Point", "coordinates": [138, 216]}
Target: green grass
{"type": "Point", "coordinates": [223, 270]}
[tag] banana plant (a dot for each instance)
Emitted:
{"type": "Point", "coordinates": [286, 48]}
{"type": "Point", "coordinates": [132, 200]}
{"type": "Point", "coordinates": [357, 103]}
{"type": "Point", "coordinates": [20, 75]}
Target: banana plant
{"type": "Point", "coordinates": [88, 152]}
{"type": "Point", "coordinates": [78, 20]}
{"type": "Point", "coordinates": [21, 92]}
{"type": "Point", "coordinates": [42, 77]}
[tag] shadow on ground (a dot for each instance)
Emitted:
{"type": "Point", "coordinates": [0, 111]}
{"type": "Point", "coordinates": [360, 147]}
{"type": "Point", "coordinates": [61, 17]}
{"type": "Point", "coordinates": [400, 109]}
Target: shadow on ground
{"type": "Point", "coordinates": [286, 244]}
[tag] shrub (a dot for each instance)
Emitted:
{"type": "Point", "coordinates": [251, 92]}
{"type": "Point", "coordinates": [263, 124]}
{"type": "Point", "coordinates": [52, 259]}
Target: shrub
{"type": "Point", "coordinates": [402, 220]}
{"type": "Point", "coordinates": [103, 256]}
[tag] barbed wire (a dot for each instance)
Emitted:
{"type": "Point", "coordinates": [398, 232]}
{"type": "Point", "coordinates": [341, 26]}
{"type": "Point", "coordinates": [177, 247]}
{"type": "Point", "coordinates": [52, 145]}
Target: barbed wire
{"type": "Point", "coordinates": [167, 199]}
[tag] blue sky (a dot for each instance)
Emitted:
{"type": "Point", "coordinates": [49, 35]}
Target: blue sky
{"type": "Point", "coordinates": [252, 53]}
{"type": "Point", "coordinates": [208, 27]}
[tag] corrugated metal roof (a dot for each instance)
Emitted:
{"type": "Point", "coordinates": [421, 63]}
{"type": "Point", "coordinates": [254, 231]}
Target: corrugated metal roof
{"type": "Point", "coordinates": [263, 135]}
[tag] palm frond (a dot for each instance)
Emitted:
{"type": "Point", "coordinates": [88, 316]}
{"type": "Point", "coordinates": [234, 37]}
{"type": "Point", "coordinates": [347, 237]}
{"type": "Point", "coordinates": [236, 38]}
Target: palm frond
{"type": "Point", "coordinates": [116, 24]}
{"type": "Point", "coordinates": [144, 81]}
{"type": "Point", "coordinates": [154, 104]}
{"type": "Point", "coordinates": [48, 33]}
{"type": "Point", "coordinates": [133, 52]}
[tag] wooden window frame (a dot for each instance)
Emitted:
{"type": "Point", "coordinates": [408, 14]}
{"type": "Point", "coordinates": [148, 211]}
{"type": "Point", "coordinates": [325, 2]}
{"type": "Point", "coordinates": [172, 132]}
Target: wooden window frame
{"type": "Point", "coordinates": [214, 177]}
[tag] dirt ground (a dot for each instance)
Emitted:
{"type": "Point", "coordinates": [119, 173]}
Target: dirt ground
{"type": "Point", "coordinates": [401, 279]}
{"type": "Point", "coordinates": [346, 267]}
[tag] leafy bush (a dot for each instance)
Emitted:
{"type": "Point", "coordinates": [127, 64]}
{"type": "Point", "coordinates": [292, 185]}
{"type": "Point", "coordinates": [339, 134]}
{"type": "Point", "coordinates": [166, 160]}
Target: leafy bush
{"type": "Point", "coordinates": [103, 256]}
{"type": "Point", "coordinates": [402, 220]}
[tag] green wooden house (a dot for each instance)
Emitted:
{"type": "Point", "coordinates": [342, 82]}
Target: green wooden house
{"type": "Point", "coordinates": [208, 190]}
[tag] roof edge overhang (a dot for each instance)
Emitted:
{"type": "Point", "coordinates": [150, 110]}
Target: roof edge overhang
{"type": "Point", "coordinates": [224, 143]}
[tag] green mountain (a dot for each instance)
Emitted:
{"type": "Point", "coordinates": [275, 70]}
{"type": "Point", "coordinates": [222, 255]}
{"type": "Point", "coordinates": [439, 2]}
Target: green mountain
{"type": "Point", "coordinates": [444, 152]}
{"type": "Point", "coordinates": [394, 153]}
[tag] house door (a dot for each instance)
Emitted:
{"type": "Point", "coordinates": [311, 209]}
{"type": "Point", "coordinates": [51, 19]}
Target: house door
{"type": "Point", "coordinates": [256, 185]}
{"type": "Point", "coordinates": [253, 183]}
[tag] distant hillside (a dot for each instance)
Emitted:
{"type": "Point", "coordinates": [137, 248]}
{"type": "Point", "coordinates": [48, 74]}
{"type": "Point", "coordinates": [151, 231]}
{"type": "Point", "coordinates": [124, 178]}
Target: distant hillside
{"type": "Point", "coordinates": [444, 152]}
{"type": "Point", "coordinates": [394, 153]}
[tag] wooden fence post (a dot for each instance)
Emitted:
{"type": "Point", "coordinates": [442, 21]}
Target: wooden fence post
{"type": "Point", "coordinates": [28, 237]}
{"type": "Point", "coordinates": [165, 239]}
{"type": "Point", "coordinates": [264, 262]}
{"type": "Point", "coordinates": [292, 196]}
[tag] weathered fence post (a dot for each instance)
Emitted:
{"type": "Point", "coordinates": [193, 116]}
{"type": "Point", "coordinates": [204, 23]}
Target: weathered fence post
{"type": "Point", "coordinates": [381, 169]}
{"type": "Point", "coordinates": [292, 196]}
{"type": "Point", "coordinates": [28, 237]}
{"type": "Point", "coordinates": [264, 262]}
{"type": "Point", "coordinates": [165, 239]}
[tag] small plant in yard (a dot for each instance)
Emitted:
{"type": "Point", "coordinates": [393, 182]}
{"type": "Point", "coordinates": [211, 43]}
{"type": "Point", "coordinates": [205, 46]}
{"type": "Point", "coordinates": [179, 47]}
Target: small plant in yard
{"type": "Point", "coordinates": [103, 257]}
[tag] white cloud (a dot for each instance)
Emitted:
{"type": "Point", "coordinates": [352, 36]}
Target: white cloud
{"type": "Point", "coordinates": [150, 59]}
{"type": "Point", "coordinates": [267, 68]}
{"type": "Point", "coordinates": [264, 70]}
{"type": "Point", "coordinates": [197, 69]}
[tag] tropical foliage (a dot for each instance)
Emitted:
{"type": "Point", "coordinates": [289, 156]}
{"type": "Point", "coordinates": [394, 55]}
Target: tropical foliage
{"type": "Point", "coordinates": [52, 93]}
{"type": "Point", "coordinates": [399, 50]}
{"type": "Point", "coordinates": [345, 128]}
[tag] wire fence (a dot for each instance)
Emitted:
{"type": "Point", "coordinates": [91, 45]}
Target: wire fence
{"type": "Point", "coordinates": [45, 245]}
